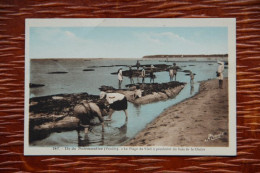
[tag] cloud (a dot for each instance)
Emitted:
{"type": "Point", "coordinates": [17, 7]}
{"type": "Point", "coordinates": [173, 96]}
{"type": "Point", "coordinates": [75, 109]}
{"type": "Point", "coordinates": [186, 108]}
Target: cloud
{"type": "Point", "coordinates": [172, 36]}
{"type": "Point", "coordinates": [147, 37]}
{"type": "Point", "coordinates": [74, 42]}
{"type": "Point", "coordinates": [161, 38]}
{"type": "Point", "coordinates": [70, 34]}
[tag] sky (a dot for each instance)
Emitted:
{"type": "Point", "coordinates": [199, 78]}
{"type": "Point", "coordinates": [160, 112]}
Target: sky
{"type": "Point", "coordinates": [125, 42]}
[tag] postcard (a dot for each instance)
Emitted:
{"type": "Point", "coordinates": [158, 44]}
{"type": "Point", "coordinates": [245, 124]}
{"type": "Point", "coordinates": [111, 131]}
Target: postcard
{"type": "Point", "coordinates": [130, 87]}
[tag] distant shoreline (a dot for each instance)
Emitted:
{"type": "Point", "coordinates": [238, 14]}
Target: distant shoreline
{"type": "Point", "coordinates": [187, 56]}
{"type": "Point", "coordinates": [147, 57]}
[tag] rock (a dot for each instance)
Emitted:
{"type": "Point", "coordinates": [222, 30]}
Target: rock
{"type": "Point", "coordinates": [58, 72]}
{"type": "Point", "coordinates": [88, 69]}
{"type": "Point", "coordinates": [32, 85]}
{"type": "Point", "coordinates": [150, 92]}
{"type": "Point", "coordinates": [137, 73]}
{"type": "Point", "coordinates": [66, 123]}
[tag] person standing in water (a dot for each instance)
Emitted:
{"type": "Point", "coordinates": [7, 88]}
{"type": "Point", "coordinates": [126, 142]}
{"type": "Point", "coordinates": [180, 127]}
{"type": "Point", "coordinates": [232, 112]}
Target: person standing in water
{"type": "Point", "coordinates": [143, 74]}
{"type": "Point", "coordinates": [116, 101]}
{"type": "Point", "coordinates": [151, 74]}
{"type": "Point", "coordinates": [171, 73]}
{"type": "Point", "coordinates": [120, 77]}
{"type": "Point", "coordinates": [131, 75]}
{"type": "Point", "coordinates": [85, 111]}
{"type": "Point", "coordinates": [137, 65]}
{"type": "Point", "coordinates": [191, 78]}
{"type": "Point", "coordinates": [220, 76]}
{"type": "Point", "coordinates": [174, 67]}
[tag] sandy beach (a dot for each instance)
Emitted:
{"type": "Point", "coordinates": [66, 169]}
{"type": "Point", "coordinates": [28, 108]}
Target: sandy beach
{"type": "Point", "coordinates": [199, 121]}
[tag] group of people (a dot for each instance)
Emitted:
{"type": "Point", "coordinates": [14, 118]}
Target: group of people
{"type": "Point", "coordinates": [131, 74]}
{"type": "Point", "coordinates": [118, 102]}
{"type": "Point", "coordinates": [172, 73]}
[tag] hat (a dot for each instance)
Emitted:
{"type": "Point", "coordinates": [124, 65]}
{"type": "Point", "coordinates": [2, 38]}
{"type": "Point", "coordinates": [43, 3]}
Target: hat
{"type": "Point", "coordinates": [102, 94]}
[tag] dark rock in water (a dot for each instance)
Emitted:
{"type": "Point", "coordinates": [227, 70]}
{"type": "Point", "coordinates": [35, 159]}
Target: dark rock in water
{"type": "Point", "coordinates": [32, 85]}
{"type": "Point", "coordinates": [106, 88]}
{"type": "Point", "coordinates": [189, 74]}
{"type": "Point", "coordinates": [106, 66]}
{"type": "Point", "coordinates": [120, 65]}
{"type": "Point", "coordinates": [210, 64]}
{"type": "Point", "coordinates": [89, 69]}
{"type": "Point", "coordinates": [186, 71]}
{"type": "Point", "coordinates": [111, 66]}
{"type": "Point", "coordinates": [58, 72]}
{"type": "Point", "coordinates": [156, 87]}
{"type": "Point", "coordinates": [127, 72]}
{"type": "Point", "coordinates": [137, 73]}
{"type": "Point", "coordinates": [191, 65]}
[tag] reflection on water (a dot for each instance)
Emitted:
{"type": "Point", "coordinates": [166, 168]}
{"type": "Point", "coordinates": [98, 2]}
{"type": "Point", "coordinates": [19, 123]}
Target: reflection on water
{"type": "Point", "coordinates": [117, 131]}
{"type": "Point", "coordinates": [191, 88]}
{"type": "Point", "coordinates": [138, 109]}
{"type": "Point", "coordinates": [111, 136]}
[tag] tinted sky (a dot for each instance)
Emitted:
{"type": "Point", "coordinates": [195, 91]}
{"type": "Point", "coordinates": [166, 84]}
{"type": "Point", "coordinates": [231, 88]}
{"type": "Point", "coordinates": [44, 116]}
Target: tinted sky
{"type": "Point", "coordinates": [125, 42]}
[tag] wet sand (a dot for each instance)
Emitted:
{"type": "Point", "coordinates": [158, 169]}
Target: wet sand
{"type": "Point", "coordinates": [198, 121]}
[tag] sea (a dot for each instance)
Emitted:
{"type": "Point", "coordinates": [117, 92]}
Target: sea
{"type": "Point", "coordinates": [61, 76]}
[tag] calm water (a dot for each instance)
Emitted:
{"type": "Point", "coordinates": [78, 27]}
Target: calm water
{"type": "Point", "coordinates": [76, 81]}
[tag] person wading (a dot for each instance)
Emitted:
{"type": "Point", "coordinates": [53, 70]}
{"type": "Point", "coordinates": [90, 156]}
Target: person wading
{"type": "Point", "coordinates": [85, 111]}
{"type": "Point", "coordinates": [220, 76]}
{"type": "Point", "coordinates": [171, 73]}
{"type": "Point", "coordinates": [116, 101]}
{"type": "Point", "coordinates": [120, 77]}
{"type": "Point", "coordinates": [174, 67]}
{"type": "Point", "coordinates": [143, 74]}
{"type": "Point", "coordinates": [137, 65]}
{"type": "Point", "coordinates": [152, 76]}
{"type": "Point", "coordinates": [131, 75]}
{"type": "Point", "coordinates": [191, 78]}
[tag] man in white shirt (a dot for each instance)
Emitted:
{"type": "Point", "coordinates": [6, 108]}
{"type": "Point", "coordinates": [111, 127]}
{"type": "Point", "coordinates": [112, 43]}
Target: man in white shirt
{"type": "Point", "coordinates": [120, 77]}
{"type": "Point", "coordinates": [116, 101]}
{"type": "Point", "coordinates": [220, 76]}
{"type": "Point", "coordinates": [143, 74]}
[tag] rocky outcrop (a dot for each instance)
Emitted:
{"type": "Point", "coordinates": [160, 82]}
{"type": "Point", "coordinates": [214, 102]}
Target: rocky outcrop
{"type": "Point", "coordinates": [56, 113]}
{"type": "Point", "coordinates": [137, 73]}
{"type": "Point", "coordinates": [150, 92]}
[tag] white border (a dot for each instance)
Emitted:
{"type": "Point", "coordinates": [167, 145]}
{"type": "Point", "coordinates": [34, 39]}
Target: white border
{"type": "Point", "coordinates": [158, 150]}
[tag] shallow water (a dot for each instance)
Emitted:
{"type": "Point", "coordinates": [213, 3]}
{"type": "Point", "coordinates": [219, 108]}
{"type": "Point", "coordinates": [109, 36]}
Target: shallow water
{"type": "Point", "coordinates": [118, 131]}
